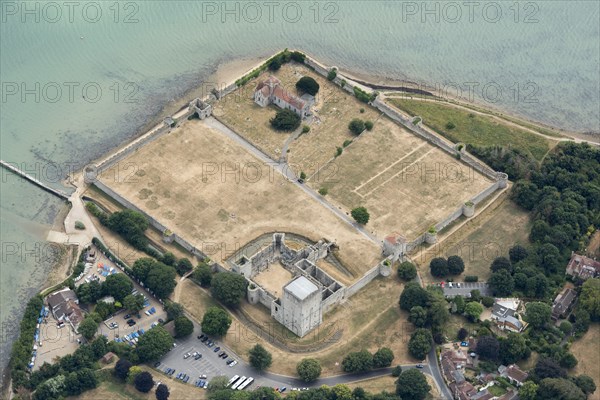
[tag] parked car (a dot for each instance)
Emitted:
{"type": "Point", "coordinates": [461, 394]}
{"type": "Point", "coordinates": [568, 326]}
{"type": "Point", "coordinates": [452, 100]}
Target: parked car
{"type": "Point", "coordinates": [216, 349]}
{"type": "Point", "coordinates": [186, 356]}
{"type": "Point", "coordinates": [198, 356]}
{"type": "Point", "coordinates": [419, 365]}
{"type": "Point", "coordinates": [127, 316]}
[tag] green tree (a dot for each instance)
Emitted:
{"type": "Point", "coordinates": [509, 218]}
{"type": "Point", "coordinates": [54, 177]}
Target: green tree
{"type": "Point", "coordinates": [229, 288]}
{"type": "Point", "coordinates": [462, 334]}
{"type": "Point", "coordinates": [501, 263]}
{"type": "Point", "coordinates": [456, 265]}
{"type": "Point", "coordinates": [285, 120]}
{"type": "Point", "coordinates": [131, 225]}
{"type": "Point", "coordinates": [169, 259]}
{"type": "Point", "coordinates": [487, 301]}
{"type": "Point", "coordinates": [121, 369]}
{"type": "Point", "coordinates": [144, 382]}
{"type": "Point", "coordinates": [134, 302]}
{"type": "Point", "coordinates": [154, 344]}
{"type": "Point", "coordinates": [360, 215]}
{"type": "Point", "coordinates": [308, 85]}
{"type": "Point", "coordinates": [162, 392]}
{"type": "Point", "coordinates": [368, 125]}
{"type": "Point", "coordinates": [488, 348]}
{"type": "Point", "coordinates": [439, 267]}
{"type": "Point", "coordinates": [586, 384]}
{"type": "Point", "coordinates": [565, 327]}
{"type": "Point", "coordinates": [528, 391]}
{"type": "Point", "coordinates": [161, 280]}
{"type": "Point", "coordinates": [517, 253]}
{"type": "Point", "coordinates": [183, 327]}
{"type": "Point", "coordinates": [383, 358]}
{"type": "Point", "coordinates": [174, 310]}
{"type": "Point", "coordinates": [88, 327]}
{"type": "Point", "coordinates": [356, 126]}
{"type": "Point", "coordinates": [458, 304]}
{"type": "Point", "coordinates": [548, 368]}
{"type": "Point", "coordinates": [418, 316]}
{"type": "Point", "coordinates": [203, 274]}
{"type": "Point", "coordinates": [183, 266]}
{"type": "Point", "coordinates": [142, 266]}
{"type": "Point", "coordinates": [260, 358]}
{"type": "Point", "coordinates": [538, 314]}
{"type": "Point", "coordinates": [407, 271]}
{"type": "Point", "coordinates": [218, 383]}
{"type": "Point", "coordinates": [420, 343]}
{"type": "Point", "coordinates": [513, 348]}
{"type": "Point", "coordinates": [502, 283]}
{"type": "Point", "coordinates": [590, 298]}
{"type": "Point", "coordinates": [309, 369]}
{"type": "Point", "coordinates": [396, 371]}
{"type": "Point", "coordinates": [412, 385]}
{"type": "Point", "coordinates": [473, 310]}
{"type": "Point", "coordinates": [216, 321]}
{"type": "Point", "coordinates": [559, 389]}
{"type": "Point", "coordinates": [413, 295]}
{"type": "Point", "coordinates": [118, 286]}
{"type": "Point", "coordinates": [549, 258]}
{"type": "Point", "coordinates": [359, 361]}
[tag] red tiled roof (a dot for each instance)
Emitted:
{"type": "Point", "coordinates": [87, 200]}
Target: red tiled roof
{"type": "Point", "coordinates": [515, 373]}
{"type": "Point", "coordinates": [289, 98]}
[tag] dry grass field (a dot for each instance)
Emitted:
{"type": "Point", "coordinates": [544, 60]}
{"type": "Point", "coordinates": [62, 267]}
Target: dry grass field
{"type": "Point", "coordinates": [406, 184]}
{"type": "Point", "coordinates": [371, 319]}
{"type": "Point", "coordinates": [587, 351]}
{"type": "Point", "coordinates": [491, 234]}
{"type": "Point", "coordinates": [208, 189]}
{"type": "Point", "coordinates": [274, 278]}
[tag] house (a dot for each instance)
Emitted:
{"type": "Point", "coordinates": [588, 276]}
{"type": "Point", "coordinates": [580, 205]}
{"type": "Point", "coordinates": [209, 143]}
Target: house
{"type": "Point", "coordinates": [462, 391]}
{"type": "Point", "coordinates": [64, 306]}
{"type": "Point", "coordinates": [515, 375]}
{"type": "Point", "coordinates": [482, 395]}
{"type": "Point", "coordinates": [563, 304]}
{"type": "Point", "coordinates": [271, 91]}
{"type": "Point", "coordinates": [504, 314]}
{"type": "Point", "coordinates": [108, 357]}
{"type": "Point", "coordinates": [582, 267]}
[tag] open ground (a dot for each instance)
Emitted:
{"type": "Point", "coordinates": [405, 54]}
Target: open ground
{"type": "Point", "coordinates": [587, 352]}
{"type": "Point", "coordinates": [208, 189]}
{"type": "Point", "coordinates": [370, 319]}
{"type": "Point", "coordinates": [480, 240]}
{"type": "Point", "coordinates": [406, 183]}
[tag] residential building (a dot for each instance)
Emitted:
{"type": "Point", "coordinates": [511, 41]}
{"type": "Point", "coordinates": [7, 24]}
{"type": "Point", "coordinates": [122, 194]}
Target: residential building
{"type": "Point", "coordinates": [64, 306]}
{"type": "Point", "coordinates": [563, 304]}
{"type": "Point", "coordinates": [271, 91]}
{"type": "Point", "coordinates": [582, 267]}
{"type": "Point", "coordinates": [515, 375]}
{"type": "Point", "coordinates": [505, 314]}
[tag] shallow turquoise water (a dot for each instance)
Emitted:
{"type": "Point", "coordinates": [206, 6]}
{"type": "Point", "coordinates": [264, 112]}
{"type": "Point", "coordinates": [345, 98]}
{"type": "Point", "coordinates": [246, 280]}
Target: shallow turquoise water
{"type": "Point", "coordinates": [543, 57]}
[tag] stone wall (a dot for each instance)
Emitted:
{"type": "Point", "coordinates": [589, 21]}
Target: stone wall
{"type": "Point", "coordinates": [362, 282]}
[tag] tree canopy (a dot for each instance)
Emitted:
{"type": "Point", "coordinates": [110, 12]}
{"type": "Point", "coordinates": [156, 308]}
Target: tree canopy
{"type": "Point", "coordinates": [356, 126]}
{"type": "Point", "coordinates": [538, 314]}
{"type": "Point", "coordinates": [420, 343]}
{"type": "Point", "coordinates": [203, 274]}
{"type": "Point", "coordinates": [590, 298]}
{"type": "Point", "coordinates": [412, 384]}
{"type": "Point", "coordinates": [144, 382]}
{"type": "Point", "coordinates": [183, 327]}
{"type": "Point", "coordinates": [456, 265]}
{"type": "Point", "coordinates": [407, 271]}
{"type": "Point", "coordinates": [131, 225]}
{"type": "Point", "coordinates": [117, 286]}
{"type": "Point", "coordinates": [439, 267]}
{"type": "Point", "coordinates": [359, 361]}
{"type": "Point", "coordinates": [360, 215]}
{"type": "Point", "coordinates": [155, 343]}
{"type": "Point", "coordinates": [88, 327]}
{"type": "Point", "coordinates": [229, 288]}
{"type": "Point", "coordinates": [488, 347]}
{"type": "Point", "coordinates": [308, 85]}
{"type": "Point", "coordinates": [285, 120]}
{"type": "Point", "coordinates": [383, 358]}
{"type": "Point", "coordinates": [216, 321]}
{"type": "Point", "coordinates": [260, 358]}
{"type": "Point", "coordinates": [309, 369]}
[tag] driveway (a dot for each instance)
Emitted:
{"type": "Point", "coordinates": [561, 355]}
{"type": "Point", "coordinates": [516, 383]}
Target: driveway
{"type": "Point", "coordinates": [465, 289]}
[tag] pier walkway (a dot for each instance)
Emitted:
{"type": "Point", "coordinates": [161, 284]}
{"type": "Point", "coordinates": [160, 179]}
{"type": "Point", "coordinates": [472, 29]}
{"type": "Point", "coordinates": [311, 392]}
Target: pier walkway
{"type": "Point", "coordinates": [35, 181]}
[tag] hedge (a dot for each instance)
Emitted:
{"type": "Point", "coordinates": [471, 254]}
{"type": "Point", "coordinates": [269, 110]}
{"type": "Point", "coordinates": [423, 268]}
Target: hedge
{"type": "Point", "coordinates": [471, 278]}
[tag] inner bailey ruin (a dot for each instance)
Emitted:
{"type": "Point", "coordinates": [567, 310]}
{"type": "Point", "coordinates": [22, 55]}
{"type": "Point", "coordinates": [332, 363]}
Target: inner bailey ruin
{"type": "Point", "coordinates": [311, 292]}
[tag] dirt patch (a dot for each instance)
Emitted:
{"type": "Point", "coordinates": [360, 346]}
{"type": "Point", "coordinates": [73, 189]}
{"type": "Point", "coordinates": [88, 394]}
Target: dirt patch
{"type": "Point", "coordinates": [221, 197]}
{"type": "Point", "coordinates": [587, 352]}
{"type": "Point", "coordinates": [274, 278]}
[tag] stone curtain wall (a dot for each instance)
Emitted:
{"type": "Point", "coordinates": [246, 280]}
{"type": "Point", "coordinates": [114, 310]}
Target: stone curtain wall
{"type": "Point", "coordinates": [362, 282]}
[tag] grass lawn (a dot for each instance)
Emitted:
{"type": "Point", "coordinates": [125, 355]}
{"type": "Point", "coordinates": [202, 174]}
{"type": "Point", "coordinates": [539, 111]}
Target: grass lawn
{"type": "Point", "coordinates": [472, 128]}
{"type": "Point", "coordinates": [496, 390]}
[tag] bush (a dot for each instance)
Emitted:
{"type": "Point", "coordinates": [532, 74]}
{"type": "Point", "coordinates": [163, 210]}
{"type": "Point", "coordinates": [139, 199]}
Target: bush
{"type": "Point", "coordinates": [359, 361]}
{"type": "Point", "coordinates": [305, 129]}
{"type": "Point", "coordinates": [285, 120]}
{"type": "Point", "coordinates": [356, 126]}
{"type": "Point", "coordinates": [368, 125]}
{"type": "Point", "coordinates": [332, 74]}
{"type": "Point", "coordinates": [360, 215]}
{"type": "Point", "coordinates": [471, 278]}
{"type": "Point", "coordinates": [183, 266]}
{"type": "Point", "coordinates": [79, 225]}
{"type": "Point", "coordinates": [361, 95]}
{"type": "Point", "coordinates": [308, 85]}
{"type": "Point", "coordinates": [275, 64]}
{"type": "Point", "coordinates": [338, 151]}
{"type": "Point", "coordinates": [383, 358]}
{"type": "Point", "coordinates": [450, 125]}
{"type": "Point", "coordinates": [487, 301]}
{"type": "Point", "coordinates": [362, 110]}
{"type": "Point", "coordinates": [396, 371]}
{"type": "Point", "coordinates": [297, 56]}
{"type": "Point", "coordinates": [347, 143]}
{"type": "Point", "coordinates": [323, 191]}
{"type": "Point", "coordinates": [462, 334]}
